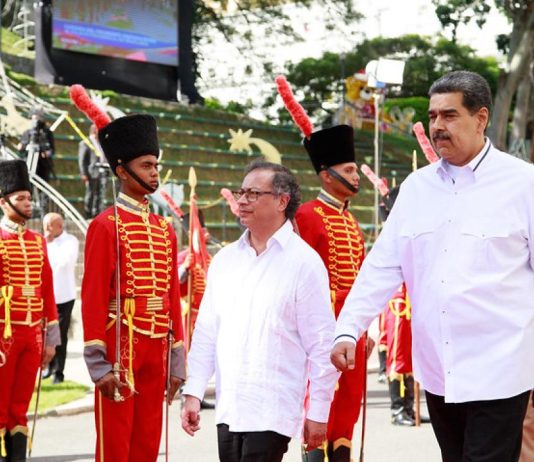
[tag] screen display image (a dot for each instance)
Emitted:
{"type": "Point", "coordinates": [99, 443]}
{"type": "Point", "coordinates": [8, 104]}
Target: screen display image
{"type": "Point", "coordinates": [138, 30]}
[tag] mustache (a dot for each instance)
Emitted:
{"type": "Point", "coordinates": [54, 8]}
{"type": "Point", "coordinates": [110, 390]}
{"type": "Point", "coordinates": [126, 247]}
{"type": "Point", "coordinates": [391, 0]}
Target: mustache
{"type": "Point", "coordinates": [441, 136]}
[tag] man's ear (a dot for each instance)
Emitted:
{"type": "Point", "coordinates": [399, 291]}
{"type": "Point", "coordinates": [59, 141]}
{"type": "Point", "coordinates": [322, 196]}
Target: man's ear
{"type": "Point", "coordinates": [483, 118]}
{"type": "Point", "coordinates": [325, 176]}
{"type": "Point", "coordinates": [284, 201]}
{"type": "Point", "coordinates": [121, 173]}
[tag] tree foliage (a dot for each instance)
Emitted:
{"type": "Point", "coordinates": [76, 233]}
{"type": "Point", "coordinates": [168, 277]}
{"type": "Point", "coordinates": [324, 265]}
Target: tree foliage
{"type": "Point", "coordinates": [321, 80]}
{"type": "Point", "coordinates": [517, 76]}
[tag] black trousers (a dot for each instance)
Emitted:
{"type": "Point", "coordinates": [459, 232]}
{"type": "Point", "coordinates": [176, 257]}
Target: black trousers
{"type": "Point", "coordinates": [64, 311]}
{"type": "Point", "coordinates": [265, 446]}
{"type": "Point", "coordinates": [91, 200]}
{"type": "Point", "coordinates": [478, 431]}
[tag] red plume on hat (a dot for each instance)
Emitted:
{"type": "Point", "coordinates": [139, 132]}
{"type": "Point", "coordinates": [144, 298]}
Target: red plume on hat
{"type": "Point", "coordinates": [294, 108]}
{"type": "Point", "coordinates": [84, 103]}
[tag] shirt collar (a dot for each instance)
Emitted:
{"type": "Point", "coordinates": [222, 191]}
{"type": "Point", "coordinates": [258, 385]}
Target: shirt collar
{"type": "Point", "coordinates": [332, 201]}
{"type": "Point", "coordinates": [129, 204]}
{"type": "Point", "coordinates": [11, 226]}
{"type": "Point", "coordinates": [281, 236]}
{"type": "Point", "coordinates": [443, 165]}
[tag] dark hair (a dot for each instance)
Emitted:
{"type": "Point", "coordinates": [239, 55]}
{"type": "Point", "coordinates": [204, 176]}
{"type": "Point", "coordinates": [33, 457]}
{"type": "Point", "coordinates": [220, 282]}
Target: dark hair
{"type": "Point", "coordinates": [284, 182]}
{"type": "Point", "coordinates": [475, 89]}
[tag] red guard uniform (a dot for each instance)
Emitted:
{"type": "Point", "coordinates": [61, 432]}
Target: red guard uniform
{"type": "Point", "coordinates": [130, 430]}
{"type": "Point", "coordinates": [198, 287]}
{"type": "Point", "coordinates": [327, 226]}
{"type": "Point", "coordinates": [26, 298]}
{"type": "Point", "coordinates": [398, 332]}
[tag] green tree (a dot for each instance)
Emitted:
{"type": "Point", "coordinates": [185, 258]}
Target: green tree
{"type": "Point", "coordinates": [516, 78]}
{"type": "Point", "coordinates": [319, 80]}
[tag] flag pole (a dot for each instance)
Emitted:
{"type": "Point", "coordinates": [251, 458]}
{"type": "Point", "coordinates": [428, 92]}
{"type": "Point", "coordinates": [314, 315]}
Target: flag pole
{"type": "Point", "coordinates": [192, 180]}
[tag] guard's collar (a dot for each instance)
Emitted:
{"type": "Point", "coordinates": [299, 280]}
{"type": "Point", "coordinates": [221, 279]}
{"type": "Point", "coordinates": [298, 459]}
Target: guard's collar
{"type": "Point", "coordinates": [129, 204]}
{"type": "Point", "coordinates": [332, 201]}
{"type": "Point", "coordinates": [12, 226]}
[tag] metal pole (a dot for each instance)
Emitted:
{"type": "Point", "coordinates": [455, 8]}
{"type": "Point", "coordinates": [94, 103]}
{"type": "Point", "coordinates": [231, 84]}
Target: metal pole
{"type": "Point", "coordinates": [376, 98]}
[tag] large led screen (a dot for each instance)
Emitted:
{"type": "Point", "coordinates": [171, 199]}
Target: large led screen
{"type": "Point", "coordinates": [138, 30]}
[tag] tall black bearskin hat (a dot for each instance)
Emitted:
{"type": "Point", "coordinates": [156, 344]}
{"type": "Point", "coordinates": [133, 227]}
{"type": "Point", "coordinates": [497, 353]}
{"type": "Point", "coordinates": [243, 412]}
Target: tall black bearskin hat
{"type": "Point", "coordinates": [123, 139]}
{"type": "Point", "coordinates": [330, 146]}
{"type": "Point", "coordinates": [129, 137]}
{"type": "Point", "coordinates": [13, 177]}
{"type": "Point", "coordinates": [326, 148]}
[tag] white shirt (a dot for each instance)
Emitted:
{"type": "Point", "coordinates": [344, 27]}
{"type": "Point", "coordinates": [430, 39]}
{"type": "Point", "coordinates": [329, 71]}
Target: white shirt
{"type": "Point", "coordinates": [265, 327]}
{"type": "Point", "coordinates": [466, 251]}
{"type": "Point", "coordinates": [63, 255]}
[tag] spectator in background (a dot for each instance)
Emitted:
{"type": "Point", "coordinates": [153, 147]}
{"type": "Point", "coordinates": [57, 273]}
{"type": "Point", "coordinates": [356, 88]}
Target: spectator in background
{"type": "Point", "coordinates": [38, 141]}
{"type": "Point", "coordinates": [63, 255]}
{"type": "Point", "coordinates": [88, 160]}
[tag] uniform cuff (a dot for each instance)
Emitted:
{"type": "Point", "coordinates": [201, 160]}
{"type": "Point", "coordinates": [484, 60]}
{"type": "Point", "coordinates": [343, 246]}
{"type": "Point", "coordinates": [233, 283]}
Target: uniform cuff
{"type": "Point", "coordinates": [53, 335]}
{"type": "Point", "coordinates": [95, 359]}
{"type": "Point", "coordinates": [178, 362]}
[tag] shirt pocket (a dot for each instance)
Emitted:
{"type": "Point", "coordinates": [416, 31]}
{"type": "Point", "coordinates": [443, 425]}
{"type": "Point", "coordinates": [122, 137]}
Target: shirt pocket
{"type": "Point", "coordinates": [486, 245]}
{"type": "Point", "coordinates": [417, 242]}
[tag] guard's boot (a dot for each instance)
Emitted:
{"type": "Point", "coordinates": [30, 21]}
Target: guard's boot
{"type": "Point", "coordinates": [409, 397]}
{"type": "Point", "coordinates": [315, 455]}
{"type": "Point", "coordinates": [382, 358]}
{"type": "Point", "coordinates": [19, 441]}
{"type": "Point", "coordinates": [340, 454]}
{"type": "Point", "coordinates": [398, 410]}
{"type": "Point", "coordinates": [5, 445]}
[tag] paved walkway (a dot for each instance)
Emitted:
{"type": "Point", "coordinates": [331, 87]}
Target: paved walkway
{"type": "Point", "coordinates": [67, 434]}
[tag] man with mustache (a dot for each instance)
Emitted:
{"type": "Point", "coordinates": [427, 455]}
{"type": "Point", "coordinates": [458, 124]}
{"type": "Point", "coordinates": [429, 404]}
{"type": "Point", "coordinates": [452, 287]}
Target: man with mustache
{"type": "Point", "coordinates": [461, 235]}
{"type": "Point", "coordinates": [130, 262]}
{"type": "Point", "coordinates": [326, 224]}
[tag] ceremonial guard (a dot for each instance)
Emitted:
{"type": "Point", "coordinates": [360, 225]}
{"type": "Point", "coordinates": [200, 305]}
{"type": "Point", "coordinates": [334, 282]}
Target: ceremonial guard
{"type": "Point", "coordinates": [130, 274]}
{"type": "Point", "coordinates": [29, 328]}
{"type": "Point", "coordinates": [326, 225]}
{"type": "Point", "coordinates": [399, 368]}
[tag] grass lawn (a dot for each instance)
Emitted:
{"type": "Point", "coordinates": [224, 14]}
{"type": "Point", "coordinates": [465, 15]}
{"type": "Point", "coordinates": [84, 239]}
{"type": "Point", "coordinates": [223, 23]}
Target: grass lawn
{"type": "Point", "coordinates": [54, 395]}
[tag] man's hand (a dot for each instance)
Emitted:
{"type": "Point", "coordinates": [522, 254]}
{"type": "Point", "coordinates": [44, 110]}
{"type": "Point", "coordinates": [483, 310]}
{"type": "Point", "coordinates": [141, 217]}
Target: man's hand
{"type": "Point", "coordinates": [342, 356]}
{"type": "Point", "coordinates": [191, 415]}
{"type": "Point", "coordinates": [107, 385]}
{"type": "Point", "coordinates": [49, 353]}
{"type": "Point", "coordinates": [314, 434]}
{"type": "Point", "coordinates": [173, 388]}
{"type": "Point", "coordinates": [370, 346]}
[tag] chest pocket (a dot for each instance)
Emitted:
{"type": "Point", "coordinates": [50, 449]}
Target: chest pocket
{"type": "Point", "coordinates": [487, 244]}
{"type": "Point", "coordinates": [417, 242]}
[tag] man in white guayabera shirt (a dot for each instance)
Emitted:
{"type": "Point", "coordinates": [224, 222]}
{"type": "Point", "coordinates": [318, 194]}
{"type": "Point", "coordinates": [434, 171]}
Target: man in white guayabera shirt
{"type": "Point", "coordinates": [461, 235]}
{"type": "Point", "coordinates": [265, 328]}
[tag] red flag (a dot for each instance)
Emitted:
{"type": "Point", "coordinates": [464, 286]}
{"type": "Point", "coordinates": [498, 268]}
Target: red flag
{"type": "Point", "coordinates": [197, 242]}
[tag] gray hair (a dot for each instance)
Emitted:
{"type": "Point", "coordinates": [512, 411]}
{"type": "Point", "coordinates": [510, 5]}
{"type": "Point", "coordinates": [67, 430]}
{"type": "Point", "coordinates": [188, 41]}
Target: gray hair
{"type": "Point", "coordinates": [475, 89]}
{"type": "Point", "coordinates": [284, 182]}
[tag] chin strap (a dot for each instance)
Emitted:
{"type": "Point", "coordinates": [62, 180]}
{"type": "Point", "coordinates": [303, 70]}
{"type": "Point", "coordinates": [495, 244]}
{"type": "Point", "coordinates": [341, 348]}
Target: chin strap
{"type": "Point", "coordinates": [134, 175]}
{"type": "Point", "coordinates": [342, 180]}
{"type": "Point", "coordinates": [17, 211]}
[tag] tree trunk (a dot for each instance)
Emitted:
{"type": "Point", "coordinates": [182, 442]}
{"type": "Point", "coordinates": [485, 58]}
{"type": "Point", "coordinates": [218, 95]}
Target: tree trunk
{"type": "Point", "coordinates": [520, 60]}
{"type": "Point", "coordinates": [517, 144]}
